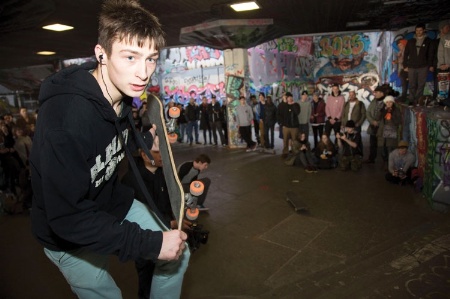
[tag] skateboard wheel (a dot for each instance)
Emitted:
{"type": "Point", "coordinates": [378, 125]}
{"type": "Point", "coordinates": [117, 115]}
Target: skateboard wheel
{"type": "Point", "coordinates": [192, 215]}
{"type": "Point", "coordinates": [172, 137]}
{"type": "Point", "coordinates": [197, 188]}
{"type": "Point", "coordinates": [174, 112]}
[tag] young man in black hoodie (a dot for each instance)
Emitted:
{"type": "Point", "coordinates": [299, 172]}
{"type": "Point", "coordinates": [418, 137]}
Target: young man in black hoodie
{"type": "Point", "coordinates": [81, 212]}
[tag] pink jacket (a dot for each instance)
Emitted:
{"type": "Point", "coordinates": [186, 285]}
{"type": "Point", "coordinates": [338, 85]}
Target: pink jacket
{"type": "Point", "coordinates": [334, 107]}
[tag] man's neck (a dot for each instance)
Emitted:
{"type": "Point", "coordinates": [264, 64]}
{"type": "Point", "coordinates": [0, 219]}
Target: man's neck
{"type": "Point", "coordinates": [150, 167]}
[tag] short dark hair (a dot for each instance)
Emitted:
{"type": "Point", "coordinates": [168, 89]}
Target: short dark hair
{"type": "Point", "coordinates": [420, 25]}
{"type": "Point", "coordinates": [128, 21]}
{"type": "Point", "coordinates": [203, 158]}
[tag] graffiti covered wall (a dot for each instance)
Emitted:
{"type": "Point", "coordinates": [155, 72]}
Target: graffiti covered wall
{"type": "Point", "coordinates": [314, 62]}
{"type": "Point", "coordinates": [190, 71]}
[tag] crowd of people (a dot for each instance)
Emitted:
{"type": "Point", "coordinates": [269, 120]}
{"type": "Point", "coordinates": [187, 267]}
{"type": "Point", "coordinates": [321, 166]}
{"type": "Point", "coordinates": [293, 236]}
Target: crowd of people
{"type": "Point", "coordinates": [336, 125]}
{"type": "Point", "coordinates": [16, 139]}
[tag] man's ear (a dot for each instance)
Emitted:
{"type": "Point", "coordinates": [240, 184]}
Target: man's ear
{"type": "Point", "coordinates": [100, 54]}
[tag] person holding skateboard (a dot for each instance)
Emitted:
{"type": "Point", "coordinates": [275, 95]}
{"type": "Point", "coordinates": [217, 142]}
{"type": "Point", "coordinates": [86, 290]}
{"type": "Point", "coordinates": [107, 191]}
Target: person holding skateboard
{"type": "Point", "coordinates": [443, 63]}
{"type": "Point", "coordinates": [81, 212]}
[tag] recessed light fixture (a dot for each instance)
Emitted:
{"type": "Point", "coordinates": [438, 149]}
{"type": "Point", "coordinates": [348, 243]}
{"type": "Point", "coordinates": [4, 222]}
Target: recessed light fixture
{"type": "Point", "coordinates": [357, 24]}
{"type": "Point", "coordinates": [58, 27]}
{"type": "Point", "coordinates": [244, 6]}
{"type": "Point", "coordinates": [46, 53]}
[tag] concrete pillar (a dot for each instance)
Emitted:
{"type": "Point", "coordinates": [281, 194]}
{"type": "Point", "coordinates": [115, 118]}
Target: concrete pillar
{"type": "Point", "coordinates": [236, 84]}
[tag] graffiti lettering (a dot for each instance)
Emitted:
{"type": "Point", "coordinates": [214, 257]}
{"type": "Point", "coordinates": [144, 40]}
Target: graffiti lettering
{"type": "Point", "coordinates": [287, 44]}
{"type": "Point", "coordinates": [341, 46]}
{"type": "Point", "coordinates": [195, 80]}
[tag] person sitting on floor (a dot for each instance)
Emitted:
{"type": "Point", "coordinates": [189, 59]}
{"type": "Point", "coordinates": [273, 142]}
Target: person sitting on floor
{"type": "Point", "coordinates": [302, 155]}
{"type": "Point", "coordinates": [325, 153]}
{"type": "Point", "coordinates": [350, 147]}
{"type": "Point", "coordinates": [189, 171]}
{"type": "Point", "coordinates": [400, 165]}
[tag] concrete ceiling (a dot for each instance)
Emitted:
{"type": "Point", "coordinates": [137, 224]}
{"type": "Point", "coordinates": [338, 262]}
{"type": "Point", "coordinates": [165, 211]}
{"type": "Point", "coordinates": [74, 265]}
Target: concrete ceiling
{"type": "Point", "coordinates": [21, 22]}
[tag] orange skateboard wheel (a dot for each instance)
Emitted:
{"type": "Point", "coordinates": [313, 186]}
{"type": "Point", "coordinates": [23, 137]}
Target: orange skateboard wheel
{"type": "Point", "coordinates": [174, 112]}
{"type": "Point", "coordinates": [197, 188]}
{"type": "Point", "coordinates": [192, 215]}
{"type": "Point", "coordinates": [172, 137]}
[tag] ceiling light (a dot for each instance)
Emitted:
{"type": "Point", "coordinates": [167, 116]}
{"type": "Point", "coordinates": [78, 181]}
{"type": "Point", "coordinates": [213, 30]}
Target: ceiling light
{"type": "Point", "coordinates": [358, 23]}
{"type": "Point", "coordinates": [244, 6]}
{"type": "Point", "coordinates": [58, 27]}
{"type": "Point", "coordinates": [46, 53]}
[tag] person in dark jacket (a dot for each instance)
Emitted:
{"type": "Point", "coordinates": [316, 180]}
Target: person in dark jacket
{"type": "Point", "coordinates": [215, 120]}
{"type": "Point", "coordinates": [81, 212]}
{"type": "Point", "coordinates": [204, 120]}
{"type": "Point", "coordinates": [270, 119]}
{"type": "Point", "coordinates": [417, 61]}
{"type": "Point", "coordinates": [192, 116]}
{"type": "Point", "coordinates": [288, 118]}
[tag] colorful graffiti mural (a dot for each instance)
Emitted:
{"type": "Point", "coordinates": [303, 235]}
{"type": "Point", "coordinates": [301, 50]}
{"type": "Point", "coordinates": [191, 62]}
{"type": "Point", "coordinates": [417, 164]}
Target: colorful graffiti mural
{"type": "Point", "coordinates": [312, 63]}
{"type": "Point", "coordinates": [191, 71]}
{"type": "Point", "coordinates": [437, 170]}
{"type": "Point", "coordinates": [346, 54]}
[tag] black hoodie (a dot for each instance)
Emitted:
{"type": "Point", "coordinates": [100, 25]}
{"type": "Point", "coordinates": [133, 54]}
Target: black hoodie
{"type": "Point", "coordinates": [78, 200]}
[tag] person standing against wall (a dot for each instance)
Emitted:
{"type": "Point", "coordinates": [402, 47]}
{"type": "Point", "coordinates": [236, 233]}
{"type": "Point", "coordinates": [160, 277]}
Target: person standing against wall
{"type": "Point", "coordinates": [288, 118]}
{"type": "Point", "coordinates": [417, 61]}
{"type": "Point", "coordinates": [305, 113]}
{"type": "Point", "coordinates": [244, 117]}
{"type": "Point", "coordinates": [335, 105]}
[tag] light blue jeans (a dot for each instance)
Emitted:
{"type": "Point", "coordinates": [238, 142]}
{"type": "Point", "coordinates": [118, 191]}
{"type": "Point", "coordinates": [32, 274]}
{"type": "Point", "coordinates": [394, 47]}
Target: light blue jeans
{"type": "Point", "coordinates": [87, 272]}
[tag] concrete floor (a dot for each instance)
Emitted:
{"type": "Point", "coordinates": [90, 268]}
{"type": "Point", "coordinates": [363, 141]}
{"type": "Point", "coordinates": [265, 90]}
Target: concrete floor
{"type": "Point", "coordinates": [362, 237]}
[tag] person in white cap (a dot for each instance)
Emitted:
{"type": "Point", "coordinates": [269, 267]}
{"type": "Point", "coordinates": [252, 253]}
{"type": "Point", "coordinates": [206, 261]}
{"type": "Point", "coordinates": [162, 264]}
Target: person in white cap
{"type": "Point", "coordinates": [388, 131]}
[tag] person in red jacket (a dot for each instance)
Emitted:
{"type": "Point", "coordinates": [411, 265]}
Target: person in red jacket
{"type": "Point", "coordinates": [317, 117]}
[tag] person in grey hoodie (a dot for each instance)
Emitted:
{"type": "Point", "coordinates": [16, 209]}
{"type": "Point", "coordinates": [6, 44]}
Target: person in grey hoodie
{"type": "Point", "coordinates": [244, 117]}
{"type": "Point", "coordinates": [305, 113]}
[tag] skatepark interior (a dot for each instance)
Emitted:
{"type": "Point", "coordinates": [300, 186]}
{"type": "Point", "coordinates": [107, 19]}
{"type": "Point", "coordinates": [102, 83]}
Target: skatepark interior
{"type": "Point", "coordinates": [361, 237]}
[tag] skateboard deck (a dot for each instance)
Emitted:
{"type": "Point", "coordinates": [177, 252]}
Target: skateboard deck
{"type": "Point", "coordinates": [296, 202]}
{"type": "Point", "coordinates": [443, 85]}
{"type": "Point", "coordinates": [155, 113]}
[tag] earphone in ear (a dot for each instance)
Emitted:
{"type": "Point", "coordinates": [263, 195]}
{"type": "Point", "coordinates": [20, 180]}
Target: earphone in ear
{"type": "Point", "coordinates": [100, 57]}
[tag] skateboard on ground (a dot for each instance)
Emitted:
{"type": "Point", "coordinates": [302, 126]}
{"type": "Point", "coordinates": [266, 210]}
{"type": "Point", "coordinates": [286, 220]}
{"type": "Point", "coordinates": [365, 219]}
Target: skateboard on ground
{"type": "Point", "coordinates": [195, 189]}
{"type": "Point", "coordinates": [296, 202]}
{"type": "Point", "coordinates": [155, 113]}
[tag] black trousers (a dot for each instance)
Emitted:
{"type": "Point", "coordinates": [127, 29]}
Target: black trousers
{"type": "Point", "coordinates": [246, 134]}
{"type": "Point", "coordinates": [373, 147]}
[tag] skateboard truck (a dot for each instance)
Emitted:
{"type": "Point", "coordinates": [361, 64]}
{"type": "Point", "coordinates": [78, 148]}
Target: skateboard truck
{"type": "Point", "coordinates": [196, 189]}
{"type": "Point", "coordinates": [174, 113]}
